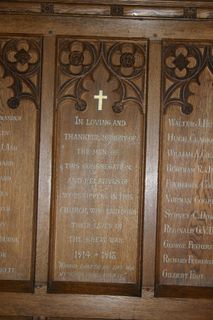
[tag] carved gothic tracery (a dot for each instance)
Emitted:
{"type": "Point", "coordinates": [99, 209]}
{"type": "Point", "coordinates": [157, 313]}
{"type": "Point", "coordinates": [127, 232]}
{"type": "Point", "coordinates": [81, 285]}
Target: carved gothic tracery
{"type": "Point", "coordinates": [79, 61]}
{"type": "Point", "coordinates": [182, 65]}
{"type": "Point", "coordinates": [20, 64]}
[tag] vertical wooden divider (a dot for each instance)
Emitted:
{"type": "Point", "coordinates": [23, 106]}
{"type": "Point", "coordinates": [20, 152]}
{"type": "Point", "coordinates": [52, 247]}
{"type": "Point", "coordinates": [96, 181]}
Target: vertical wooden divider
{"type": "Point", "coordinates": [45, 160]}
{"type": "Point", "coordinates": [152, 152]}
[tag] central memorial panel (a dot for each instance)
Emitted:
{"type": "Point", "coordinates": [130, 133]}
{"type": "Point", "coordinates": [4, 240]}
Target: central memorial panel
{"type": "Point", "coordinates": [97, 198]}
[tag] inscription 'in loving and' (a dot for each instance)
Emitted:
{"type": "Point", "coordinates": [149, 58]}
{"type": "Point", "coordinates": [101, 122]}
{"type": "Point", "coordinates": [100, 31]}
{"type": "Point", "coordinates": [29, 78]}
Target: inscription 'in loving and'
{"type": "Point", "coordinates": [104, 170]}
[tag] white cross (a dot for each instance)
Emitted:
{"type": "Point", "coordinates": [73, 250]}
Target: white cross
{"type": "Point", "coordinates": [100, 98]}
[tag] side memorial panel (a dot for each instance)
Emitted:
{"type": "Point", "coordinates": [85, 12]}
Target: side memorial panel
{"type": "Point", "coordinates": [97, 198]}
{"type": "Point", "coordinates": [185, 218]}
{"type": "Point", "coordinates": [20, 70]}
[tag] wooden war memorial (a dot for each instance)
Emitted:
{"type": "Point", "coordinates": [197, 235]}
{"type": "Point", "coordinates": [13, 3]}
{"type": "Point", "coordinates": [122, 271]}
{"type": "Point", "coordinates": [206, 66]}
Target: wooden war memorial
{"type": "Point", "coordinates": [106, 161]}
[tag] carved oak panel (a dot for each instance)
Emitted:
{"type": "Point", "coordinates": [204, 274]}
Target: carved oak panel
{"type": "Point", "coordinates": [185, 230]}
{"type": "Point", "coordinates": [20, 73]}
{"type": "Point", "coordinates": [97, 198]}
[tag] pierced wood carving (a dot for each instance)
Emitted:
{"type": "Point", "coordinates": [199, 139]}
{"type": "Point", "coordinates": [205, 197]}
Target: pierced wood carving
{"type": "Point", "coordinates": [20, 64]}
{"type": "Point", "coordinates": [124, 65]}
{"type": "Point", "coordinates": [117, 10]}
{"type": "Point", "coordinates": [190, 13]}
{"type": "Point", "coordinates": [47, 8]}
{"type": "Point", "coordinates": [182, 65]}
